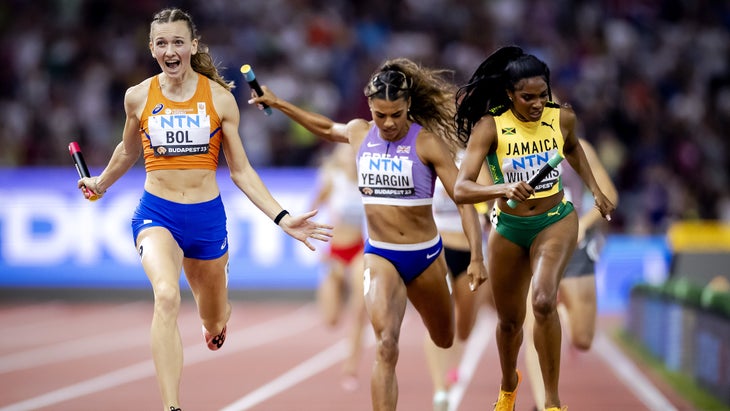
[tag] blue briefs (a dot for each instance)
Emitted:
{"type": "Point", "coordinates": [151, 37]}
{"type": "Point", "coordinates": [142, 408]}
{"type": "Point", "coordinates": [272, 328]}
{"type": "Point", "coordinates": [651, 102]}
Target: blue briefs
{"type": "Point", "coordinates": [410, 260]}
{"type": "Point", "coordinates": [199, 229]}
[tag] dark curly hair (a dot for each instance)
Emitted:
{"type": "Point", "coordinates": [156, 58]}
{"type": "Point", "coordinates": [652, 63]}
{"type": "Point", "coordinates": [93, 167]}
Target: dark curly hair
{"type": "Point", "coordinates": [431, 95]}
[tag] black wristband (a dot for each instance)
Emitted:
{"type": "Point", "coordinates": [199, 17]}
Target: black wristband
{"type": "Point", "coordinates": [279, 216]}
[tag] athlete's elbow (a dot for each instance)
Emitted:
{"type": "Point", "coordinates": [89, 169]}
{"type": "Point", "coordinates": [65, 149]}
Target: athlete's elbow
{"type": "Point", "coordinates": [460, 194]}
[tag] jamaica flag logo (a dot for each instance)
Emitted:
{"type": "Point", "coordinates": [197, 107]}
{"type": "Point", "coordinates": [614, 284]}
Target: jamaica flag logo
{"type": "Point", "coordinates": [509, 131]}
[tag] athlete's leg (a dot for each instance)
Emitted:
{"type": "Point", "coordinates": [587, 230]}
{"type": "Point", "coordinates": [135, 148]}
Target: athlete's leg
{"type": "Point", "coordinates": [208, 281]}
{"type": "Point", "coordinates": [532, 362]}
{"type": "Point", "coordinates": [443, 361]}
{"type": "Point", "coordinates": [466, 303]}
{"type": "Point", "coordinates": [550, 252]}
{"type": "Point", "coordinates": [430, 295]}
{"type": "Point", "coordinates": [437, 360]}
{"type": "Point", "coordinates": [578, 295]}
{"type": "Point", "coordinates": [385, 300]}
{"type": "Point", "coordinates": [509, 277]}
{"type": "Point", "coordinates": [358, 315]}
{"type": "Point", "coordinates": [331, 291]}
{"type": "Point", "coordinates": [162, 262]}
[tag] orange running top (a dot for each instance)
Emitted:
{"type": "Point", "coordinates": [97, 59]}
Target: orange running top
{"type": "Point", "coordinates": [180, 135]}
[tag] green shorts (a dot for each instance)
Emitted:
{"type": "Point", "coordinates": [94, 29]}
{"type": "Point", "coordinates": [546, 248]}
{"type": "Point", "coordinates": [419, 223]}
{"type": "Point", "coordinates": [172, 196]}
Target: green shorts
{"type": "Point", "coordinates": [523, 230]}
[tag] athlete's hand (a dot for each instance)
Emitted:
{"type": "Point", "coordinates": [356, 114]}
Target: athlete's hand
{"type": "Point", "coordinates": [303, 229]}
{"type": "Point", "coordinates": [519, 191]}
{"type": "Point", "coordinates": [477, 273]}
{"type": "Point", "coordinates": [91, 184]}
{"type": "Point", "coordinates": [604, 205]}
{"type": "Point", "coordinates": [269, 98]}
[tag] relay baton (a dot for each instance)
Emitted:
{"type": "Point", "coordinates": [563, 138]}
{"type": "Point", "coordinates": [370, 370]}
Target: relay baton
{"type": "Point", "coordinates": [82, 169]}
{"type": "Point", "coordinates": [540, 175]}
{"type": "Point", "coordinates": [251, 80]}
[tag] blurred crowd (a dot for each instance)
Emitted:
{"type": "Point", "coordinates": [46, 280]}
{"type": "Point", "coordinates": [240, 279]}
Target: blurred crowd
{"type": "Point", "coordinates": [649, 79]}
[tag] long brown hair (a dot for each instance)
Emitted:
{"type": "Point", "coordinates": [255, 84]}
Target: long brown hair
{"type": "Point", "coordinates": [432, 96]}
{"type": "Point", "coordinates": [202, 62]}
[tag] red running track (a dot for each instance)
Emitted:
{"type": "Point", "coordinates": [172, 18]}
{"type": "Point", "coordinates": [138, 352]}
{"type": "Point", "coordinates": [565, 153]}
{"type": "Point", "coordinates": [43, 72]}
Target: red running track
{"type": "Point", "coordinates": [278, 356]}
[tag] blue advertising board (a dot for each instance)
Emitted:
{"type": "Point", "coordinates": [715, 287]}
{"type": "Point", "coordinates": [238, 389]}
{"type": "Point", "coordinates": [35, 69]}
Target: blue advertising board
{"type": "Point", "coordinates": [627, 260]}
{"type": "Point", "coordinates": [50, 236]}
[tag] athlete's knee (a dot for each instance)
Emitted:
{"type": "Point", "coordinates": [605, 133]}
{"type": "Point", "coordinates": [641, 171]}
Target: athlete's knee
{"type": "Point", "coordinates": [543, 306]}
{"type": "Point", "coordinates": [582, 340]}
{"type": "Point", "coordinates": [464, 332]}
{"type": "Point", "coordinates": [441, 329]}
{"type": "Point", "coordinates": [508, 325]}
{"type": "Point", "coordinates": [167, 298]}
{"type": "Point", "coordinates": [442, 338]}
{"type": "Point", "coordinates": [387, 350]}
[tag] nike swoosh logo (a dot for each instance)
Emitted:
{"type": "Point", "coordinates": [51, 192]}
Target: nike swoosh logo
{"type": "Point", "coordinates": [430, 256]}
{"type": "Point", "coordinates": [373, 144]}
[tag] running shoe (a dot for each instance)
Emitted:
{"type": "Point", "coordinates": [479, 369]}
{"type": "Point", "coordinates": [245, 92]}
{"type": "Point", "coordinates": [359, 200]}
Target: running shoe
{"type": "Point", "coordinates": [441, 401]}
{"type": "Point", "coordinates": [214, 342]}
{"type": "Point", "coordinates": [506, 400]}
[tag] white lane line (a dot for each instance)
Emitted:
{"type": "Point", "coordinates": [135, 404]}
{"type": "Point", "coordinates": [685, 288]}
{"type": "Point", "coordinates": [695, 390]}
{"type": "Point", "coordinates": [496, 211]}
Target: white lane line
{"type": "Point", "coordinates": [303, 371]}
{"type": "Point", "coordinates": [309, 368]}
{"type": "Point", "coordinates": [251, 337]}
{"type": "Point", "coordinates": [74, 349]}
{"type": "Point", "coordinates": [21, 313]}
{"type": "Point", "coordinates": [482, 335]}
{"type": "Point", "coordinates": [80, 348]}
{"type": "Point", "coordinates": [36, 332]}
{"type": "Point", "coordinates": [630, 375]}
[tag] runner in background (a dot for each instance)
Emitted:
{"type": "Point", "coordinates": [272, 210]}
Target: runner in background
{"type": "Point", "coordinates": [340, 290]}
{"type": "Point", "coordinates": [443, 363]}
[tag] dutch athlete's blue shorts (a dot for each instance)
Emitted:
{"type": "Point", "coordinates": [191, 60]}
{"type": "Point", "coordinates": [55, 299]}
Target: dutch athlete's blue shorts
{"type": "Point", "coordinates": [199, 229]}
{"type": "Point", "coordinates": [410, 260]}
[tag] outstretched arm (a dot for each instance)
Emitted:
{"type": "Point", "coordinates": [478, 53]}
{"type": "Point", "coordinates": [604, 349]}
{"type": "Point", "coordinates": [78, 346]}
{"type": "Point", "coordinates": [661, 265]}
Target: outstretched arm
{"type": "Point", "coordinates": [317, 124]}
{"type": "Point", "coordinates": [247, 179]}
